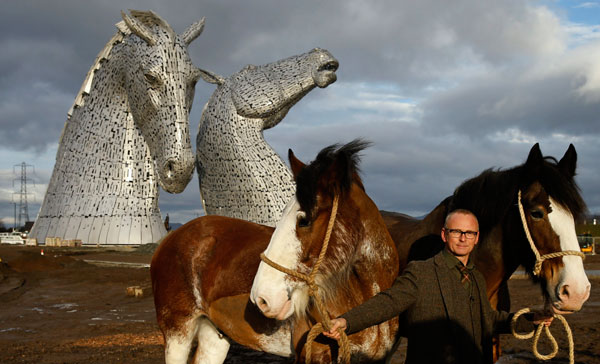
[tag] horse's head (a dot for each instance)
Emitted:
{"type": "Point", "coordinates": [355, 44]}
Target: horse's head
{"type": "Point", "coordinates": [159, 79]}
{"type": "Point", "coordinates": [551, 203]}
{"type": "Point", "coordinates": [357, 235]}
{"type": "Point", "coordinates": [268, 92]}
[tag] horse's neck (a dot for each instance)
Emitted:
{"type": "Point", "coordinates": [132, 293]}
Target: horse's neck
{"type": "Point", "coordinates": [434, 221]}
{"type": "Point", "coordinates": [101, 150]}
{"type": "Point", "coordinates": [375, 261]}
{"type": "Point", "coordinates": [234, 157]}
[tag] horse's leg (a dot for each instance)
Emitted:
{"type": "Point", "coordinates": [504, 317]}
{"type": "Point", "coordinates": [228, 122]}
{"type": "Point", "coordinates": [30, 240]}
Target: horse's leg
{"type": "Point", "coordinates": [502, 303]}
{"type": "Point", "coordinates": [179, 342]}
{"type": "Point", "coordinates": [212, 345]}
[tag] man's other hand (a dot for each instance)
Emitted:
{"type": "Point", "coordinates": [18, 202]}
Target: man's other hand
{"type": "Point", "coordinates": [336, 325]}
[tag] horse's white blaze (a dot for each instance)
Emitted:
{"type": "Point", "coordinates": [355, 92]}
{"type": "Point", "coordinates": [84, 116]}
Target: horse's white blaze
{"type": "Point", "coordinates": [270, 285]}
{"type": "Point", "coordinates": [572, 276]}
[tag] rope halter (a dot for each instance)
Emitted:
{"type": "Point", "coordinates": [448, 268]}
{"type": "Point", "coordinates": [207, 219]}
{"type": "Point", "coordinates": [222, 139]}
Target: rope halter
{"type": "Point", "coordinates": [539, 259]}
{"type": "Point", "coordinates": [313, 290]}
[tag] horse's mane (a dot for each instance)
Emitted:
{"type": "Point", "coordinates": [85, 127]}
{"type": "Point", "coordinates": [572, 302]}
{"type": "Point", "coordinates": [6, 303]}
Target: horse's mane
{"type": "Point", "coordinates": [564, 190]}
{"type": "Point", "coordinates": [491, 194]}
{"type": "Point", "coordinates": [146, 17]}
{"type": "Point", "coordinates": [334, 170]}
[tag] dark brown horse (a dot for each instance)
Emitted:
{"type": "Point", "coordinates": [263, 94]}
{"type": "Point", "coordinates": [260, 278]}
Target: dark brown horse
{"type": "Point", "coordinates": [551, 202]}
{"type": "Point", "coordinates": [202, 272]}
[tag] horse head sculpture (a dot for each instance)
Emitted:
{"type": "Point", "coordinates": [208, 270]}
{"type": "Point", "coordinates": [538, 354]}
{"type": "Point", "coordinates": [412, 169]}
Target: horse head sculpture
{"type": "Point", "coordinates": [160, 88]}
{"type": "Point", "coordinates": [127, 131]}
{"type": "Point", "coordinates": [239, 174]}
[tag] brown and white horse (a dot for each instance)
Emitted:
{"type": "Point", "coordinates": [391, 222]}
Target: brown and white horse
{"type": "Point", "coordinates": [551, 203]}
{"type": "Point", "coordinates": [202, 272]}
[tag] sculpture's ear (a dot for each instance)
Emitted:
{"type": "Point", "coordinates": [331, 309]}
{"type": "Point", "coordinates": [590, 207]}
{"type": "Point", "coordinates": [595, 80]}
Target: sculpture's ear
{"type": "Point", "coordinates": [210, 77]}
{"type": "Point", "coordinates": [138, 28]}
{"type": "Point", "coordinates": [192, 32]}
{"type": "Point", "coordinates": [295, 164]}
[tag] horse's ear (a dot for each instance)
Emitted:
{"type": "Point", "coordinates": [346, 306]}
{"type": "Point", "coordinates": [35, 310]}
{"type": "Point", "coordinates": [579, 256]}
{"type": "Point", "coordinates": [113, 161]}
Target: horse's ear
{"type": "Point", "coordinates": [192, 32]}
{"type": "Point", "coordinates": [138, 28]}
{"type": "Point", "coordinates": [535, 158]}
{"type": "Point", "coordinates": [339, 176]}
{"type": "Point", "coordinates": [210, 77]}
{"type": "Point", "coordinates": [533, 165]}
{"type": "Point", "coordinates": [295, 164]}
{"type": "Point", "coordinates": [568, 163]}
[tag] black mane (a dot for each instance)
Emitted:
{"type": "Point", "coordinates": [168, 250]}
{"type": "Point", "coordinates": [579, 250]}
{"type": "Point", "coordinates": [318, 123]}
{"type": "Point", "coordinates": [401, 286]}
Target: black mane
{"type": "Point", "coordinates": [493, 193]}
{"type": "Point", "coordinates": [332, 172]}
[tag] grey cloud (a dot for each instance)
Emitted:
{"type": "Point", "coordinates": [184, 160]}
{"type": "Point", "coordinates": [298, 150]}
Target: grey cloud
{"type": "Point", "coordinates": [464, 66]}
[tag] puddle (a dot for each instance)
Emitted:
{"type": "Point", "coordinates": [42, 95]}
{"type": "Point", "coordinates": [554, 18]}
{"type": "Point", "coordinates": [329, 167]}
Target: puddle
{"type": "Point", "coordinates": [15, 329]}
{"type": "Point", "coordinates": [64, 306]}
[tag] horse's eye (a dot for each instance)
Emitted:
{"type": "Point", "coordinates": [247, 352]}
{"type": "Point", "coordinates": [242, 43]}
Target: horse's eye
{"type": "Point", "coordinates": [302, 220]}
{"type": "Point", "coordinates": [152, 80]}
{"type": "Point", "coordinates": [537, 214]}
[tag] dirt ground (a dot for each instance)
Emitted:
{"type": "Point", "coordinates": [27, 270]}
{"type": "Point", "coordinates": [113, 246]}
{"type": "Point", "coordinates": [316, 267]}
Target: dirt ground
{"type": "Point", "coordinates": [61, 307]}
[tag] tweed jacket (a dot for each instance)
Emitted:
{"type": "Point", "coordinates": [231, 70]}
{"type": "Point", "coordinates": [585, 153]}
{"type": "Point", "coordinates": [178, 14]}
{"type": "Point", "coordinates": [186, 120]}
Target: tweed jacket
{"type": "Point", "coordinates": [430, 300]}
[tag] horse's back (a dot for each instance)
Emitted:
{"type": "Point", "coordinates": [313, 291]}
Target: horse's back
{"type": "Point", "coordinates": [214, 256]}
{"type": "Point", "coordinates": [416, 239]}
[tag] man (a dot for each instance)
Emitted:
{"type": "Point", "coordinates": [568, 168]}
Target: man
{"type": "Point", "coordinates": [447, 315]}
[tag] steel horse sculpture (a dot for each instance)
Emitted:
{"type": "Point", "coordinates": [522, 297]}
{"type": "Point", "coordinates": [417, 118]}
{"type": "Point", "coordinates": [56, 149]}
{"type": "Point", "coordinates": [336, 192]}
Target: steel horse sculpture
{"type": "Point", "coordinates": [551, 202]}
{"type": "Point", "coordinates": [202, 272]}
{"type": "Point", "coordinates": [239, 174]}
{"type": "Point", "coordinates": [127, 131]}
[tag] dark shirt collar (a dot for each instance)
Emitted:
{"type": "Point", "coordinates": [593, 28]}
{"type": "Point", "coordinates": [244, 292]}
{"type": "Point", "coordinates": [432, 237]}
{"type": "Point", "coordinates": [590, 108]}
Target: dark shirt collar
{"type": "Point", "coordinates": [453, 261]}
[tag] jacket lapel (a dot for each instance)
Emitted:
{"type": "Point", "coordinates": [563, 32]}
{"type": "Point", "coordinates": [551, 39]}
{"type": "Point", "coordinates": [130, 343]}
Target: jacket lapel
{"type": "Point", "coordinates": [445, 283]}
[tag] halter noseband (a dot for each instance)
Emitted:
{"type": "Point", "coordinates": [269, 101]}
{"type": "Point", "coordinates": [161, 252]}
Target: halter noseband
{"type": "Point", "coordinates": [313, 290]}
{"type": "Point", "coordinates": [539, 259]}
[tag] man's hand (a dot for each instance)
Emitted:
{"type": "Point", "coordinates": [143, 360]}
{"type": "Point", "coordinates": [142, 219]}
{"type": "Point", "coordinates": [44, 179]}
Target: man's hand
{"type": "Point", "coordinates": [337, 323]}
{"type": "Point", "coordinates": [542, 317]}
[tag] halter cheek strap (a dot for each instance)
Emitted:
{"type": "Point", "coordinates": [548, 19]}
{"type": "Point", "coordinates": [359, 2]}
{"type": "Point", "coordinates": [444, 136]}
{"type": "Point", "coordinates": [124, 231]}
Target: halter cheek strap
{"type": "Point", "coordinates": [313, 290]}
{"type": "Point", "coordinates": [539, 259]}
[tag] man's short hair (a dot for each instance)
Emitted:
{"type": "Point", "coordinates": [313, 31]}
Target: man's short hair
{"type": "Point", "coordinates": [460, 211]}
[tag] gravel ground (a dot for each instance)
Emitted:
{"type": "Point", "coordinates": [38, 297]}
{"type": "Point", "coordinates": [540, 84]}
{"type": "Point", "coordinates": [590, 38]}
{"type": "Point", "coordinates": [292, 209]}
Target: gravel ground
{"type": "Point", "coordinates": [58, 308]}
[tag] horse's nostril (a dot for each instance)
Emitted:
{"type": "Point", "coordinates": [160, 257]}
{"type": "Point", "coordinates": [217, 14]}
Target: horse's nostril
{"type": "Point", "coordinates": [169, 169]}
{"type": "Point", "coordinates": [563, 291]}
{"type": "Point", "coordinates": [262, 304]}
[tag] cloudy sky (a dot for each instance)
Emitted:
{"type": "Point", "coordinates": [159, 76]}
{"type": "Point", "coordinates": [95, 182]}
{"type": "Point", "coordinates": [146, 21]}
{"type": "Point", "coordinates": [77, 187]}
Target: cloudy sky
{"type": "Point", "coordinates": [442, 91]}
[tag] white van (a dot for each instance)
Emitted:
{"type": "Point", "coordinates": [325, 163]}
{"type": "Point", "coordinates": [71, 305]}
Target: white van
{"type": "Point", "coordinates": [11, 238]}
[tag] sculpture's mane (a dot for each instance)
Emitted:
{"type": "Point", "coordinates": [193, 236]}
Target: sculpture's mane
{"type": "Point", "coordinates": [148, 18]}
{"type": "Point", "coordinates": [102, 56]}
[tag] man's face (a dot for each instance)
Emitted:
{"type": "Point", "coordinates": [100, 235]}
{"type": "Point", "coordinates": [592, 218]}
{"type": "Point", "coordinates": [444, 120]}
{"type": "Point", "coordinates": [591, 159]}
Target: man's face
{"type": "Point", "coordinates": [456, 234]}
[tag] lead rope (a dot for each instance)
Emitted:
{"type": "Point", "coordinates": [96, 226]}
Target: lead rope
{"type": "Point", "coordinates": [539, 259]}
{"type": "Point", "coordinates": [313, 290]}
